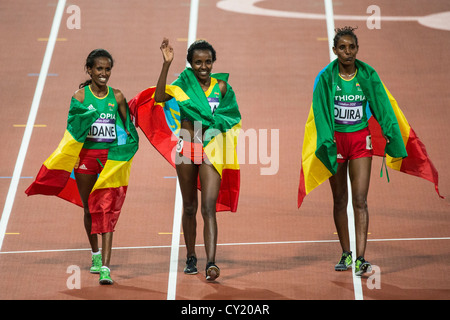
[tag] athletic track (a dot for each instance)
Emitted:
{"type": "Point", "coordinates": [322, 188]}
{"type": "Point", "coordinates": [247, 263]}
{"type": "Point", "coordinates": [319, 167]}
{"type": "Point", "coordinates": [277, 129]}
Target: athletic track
{"type": "Point", "coordinates": [269, 249]}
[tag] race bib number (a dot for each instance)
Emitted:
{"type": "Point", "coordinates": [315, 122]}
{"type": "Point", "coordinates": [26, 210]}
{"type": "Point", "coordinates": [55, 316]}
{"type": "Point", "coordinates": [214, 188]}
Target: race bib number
{"type": "Point", "coordinates": [348, 112]}
{"type": "Point", "coordinates": [179, 145]}
{"type": "Point", "coordinates": [102, 130]}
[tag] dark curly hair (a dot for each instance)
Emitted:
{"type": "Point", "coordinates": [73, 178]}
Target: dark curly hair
{"type": "Point", "coordinates": [90, 60]}
{"type": "Point", "coordinates": [345, 31]}
{"type": "Point", "coordinates": [200, 45]}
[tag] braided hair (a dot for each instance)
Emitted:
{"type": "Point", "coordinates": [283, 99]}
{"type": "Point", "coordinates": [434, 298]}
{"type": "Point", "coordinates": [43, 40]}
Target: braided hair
{"type": "Point", "coordinates": [345, 31]}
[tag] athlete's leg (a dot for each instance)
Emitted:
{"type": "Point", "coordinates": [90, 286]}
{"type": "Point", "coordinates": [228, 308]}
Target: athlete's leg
{"type": "Point", "coordinates": [338, 184]}
{"type": "Point", "coordinates": [359, 171]}
{"type": "Point", "coordinates": [210, 184]}
{"type": "Point", "coordinates": [85, 183]}
{"type": "Point", "coordinates": [187, 176]}
{"type": "Point", "coordinates": [106, 248]}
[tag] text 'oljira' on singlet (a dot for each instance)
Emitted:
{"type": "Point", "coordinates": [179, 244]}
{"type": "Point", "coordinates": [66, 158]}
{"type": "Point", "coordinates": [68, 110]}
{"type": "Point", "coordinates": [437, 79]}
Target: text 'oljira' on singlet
{"type": "Point", "coordinates": [349, 106]}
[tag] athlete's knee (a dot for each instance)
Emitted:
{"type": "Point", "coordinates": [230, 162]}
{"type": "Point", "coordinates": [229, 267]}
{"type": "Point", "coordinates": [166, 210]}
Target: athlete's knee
{"type": "Point", "coordinates": [340, 200]}
{"type": "Point", "coordinates": [209, 209]}
{"type": "Point", "coordinates": [190, 209]}
{"type": "Point", "coordinates": [359, 202]}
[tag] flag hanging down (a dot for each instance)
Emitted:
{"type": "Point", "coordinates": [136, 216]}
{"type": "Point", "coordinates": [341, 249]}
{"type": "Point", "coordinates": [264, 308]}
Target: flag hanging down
{"type": "Point", "coordinates": [161, 124]}
{"type": "Point", "coordinates": [56, 175]}
{"type": "Point", "coordinates": [404, 152]}
{"type": "Point", "coordinates": [108, 194]}
{"type": "Point", "coordinates": [417, 163]}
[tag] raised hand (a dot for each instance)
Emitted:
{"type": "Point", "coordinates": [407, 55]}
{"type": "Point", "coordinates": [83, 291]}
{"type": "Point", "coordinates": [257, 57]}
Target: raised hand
{"type": "Point", "coordinates": [167, 51]}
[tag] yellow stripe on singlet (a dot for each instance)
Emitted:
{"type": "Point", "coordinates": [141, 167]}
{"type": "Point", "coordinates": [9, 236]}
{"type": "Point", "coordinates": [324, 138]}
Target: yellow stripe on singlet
{"type": "Point", "coordinates": [211, 87]}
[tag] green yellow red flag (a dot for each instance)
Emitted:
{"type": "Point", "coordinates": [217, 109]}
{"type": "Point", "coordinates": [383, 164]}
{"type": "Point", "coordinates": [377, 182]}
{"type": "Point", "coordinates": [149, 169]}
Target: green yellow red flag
{"type": "Point", "coordinates": [56, 176]}
{"type": "Point", "coordinates": [161, 123]}
{"type": "Point", "coordinates": [404, 152]}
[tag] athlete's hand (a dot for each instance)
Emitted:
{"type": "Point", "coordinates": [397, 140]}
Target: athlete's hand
{"type": "Point", "coordinates": [167, 51]}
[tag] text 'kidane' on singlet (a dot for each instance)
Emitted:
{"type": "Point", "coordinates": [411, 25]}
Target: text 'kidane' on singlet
{"type": "Point", "coordinates": [103, 130]}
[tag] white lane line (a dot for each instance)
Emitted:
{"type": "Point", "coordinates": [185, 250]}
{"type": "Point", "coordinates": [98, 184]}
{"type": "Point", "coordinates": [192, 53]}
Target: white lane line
{"type": "Point", "coordinates": [357, 286]}
{"type": "Point", "coordinates": [330, 27]}
{"type": "Point", "coordinates": [31, 119]}
{"type": "Point", "coordinates": [176, 229]}
{"type": "Point", "coordinates": [175, 247]}
{"type": "Point", "coordinates": [226, 244]}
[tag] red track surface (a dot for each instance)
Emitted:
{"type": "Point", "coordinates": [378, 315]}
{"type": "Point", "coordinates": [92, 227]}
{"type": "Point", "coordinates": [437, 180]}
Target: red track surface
{"type": "Point", "coordinates": [272, 64]}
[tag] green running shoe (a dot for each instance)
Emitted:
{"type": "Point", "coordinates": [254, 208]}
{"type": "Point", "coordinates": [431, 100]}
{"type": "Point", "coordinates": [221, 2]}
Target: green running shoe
{"type": "Point", "coordinates": [362, 266]}
{"type": "Point", "coordinates": [105, 277]}
{"type": "Point", "coordinates": [96, 263]}
{"type": "Point", "coordinates": [345, 262]}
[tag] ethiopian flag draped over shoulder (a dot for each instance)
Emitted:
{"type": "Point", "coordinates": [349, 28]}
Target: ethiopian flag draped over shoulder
{"type": "Point", "coordinates": [404, 152]}
{"type": "Point", "coordinates": [56, 175]}
{"type": "Point", "coordinates": [161, 123]}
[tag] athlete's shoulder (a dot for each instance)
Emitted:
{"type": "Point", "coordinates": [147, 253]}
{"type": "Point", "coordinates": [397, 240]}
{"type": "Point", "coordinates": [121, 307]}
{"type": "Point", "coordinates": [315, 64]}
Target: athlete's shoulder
{"type": "Point", "coordinates": [118, 95]}
{"type": "Point", "coordinates": [79, 95]}
{"type": "Point", "coordinates": [222, 86]}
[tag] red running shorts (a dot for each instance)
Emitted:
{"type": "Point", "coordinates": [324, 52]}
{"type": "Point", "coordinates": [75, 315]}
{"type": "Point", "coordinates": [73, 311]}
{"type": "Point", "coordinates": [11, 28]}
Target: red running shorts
{"type": "Point", "coordinates": [353, 145]}
{"type": "Point", "coordinates": [192, 150]}
{"type": "Point", "coordinates": [91, 161]}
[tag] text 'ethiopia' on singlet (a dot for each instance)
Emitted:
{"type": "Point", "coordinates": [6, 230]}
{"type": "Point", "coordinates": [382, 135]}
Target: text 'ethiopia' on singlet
{"type": "Point", "coordinates": [349, 106]}
{"type": "Point", "coordinates": [213, 95]}
{"type": "Point", "coordinates": [103, 130]}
